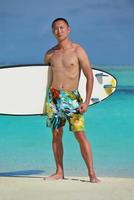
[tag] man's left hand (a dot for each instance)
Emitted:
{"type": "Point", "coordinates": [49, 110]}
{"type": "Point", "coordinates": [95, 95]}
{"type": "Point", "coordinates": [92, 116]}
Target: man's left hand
{"type": "Point", "coordinates": [83, 108]}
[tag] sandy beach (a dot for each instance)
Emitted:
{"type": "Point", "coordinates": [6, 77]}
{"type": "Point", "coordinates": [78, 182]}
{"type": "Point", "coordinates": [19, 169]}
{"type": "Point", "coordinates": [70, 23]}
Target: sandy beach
{"type": "Point", "coordinates": [71, 188]}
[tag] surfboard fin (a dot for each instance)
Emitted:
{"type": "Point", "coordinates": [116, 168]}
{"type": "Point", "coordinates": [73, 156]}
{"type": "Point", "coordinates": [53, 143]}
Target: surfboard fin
{"type": "Point", "coordinates": [95, 100]}
{"type": "Point", "coordinates": [100, 74]}
{"type": "Point", "coordinates": [108, 86]}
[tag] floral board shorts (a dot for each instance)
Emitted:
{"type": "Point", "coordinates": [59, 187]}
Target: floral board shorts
{"type": "Point", "coordinates": [62, 105]}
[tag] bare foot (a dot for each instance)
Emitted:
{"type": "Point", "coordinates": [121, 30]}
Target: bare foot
{"type": "Point", "coordinates": [55, 177]}
{"type": "Point", "coordinates": [94, 180]}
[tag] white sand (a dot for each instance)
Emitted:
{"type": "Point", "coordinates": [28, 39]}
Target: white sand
{"type": "Point", "coordinates": [24, 188]}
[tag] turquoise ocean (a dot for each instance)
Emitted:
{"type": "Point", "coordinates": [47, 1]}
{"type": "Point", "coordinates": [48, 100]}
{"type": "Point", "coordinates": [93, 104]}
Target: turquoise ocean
{"type": "Point", "coordinates": [25, 142]}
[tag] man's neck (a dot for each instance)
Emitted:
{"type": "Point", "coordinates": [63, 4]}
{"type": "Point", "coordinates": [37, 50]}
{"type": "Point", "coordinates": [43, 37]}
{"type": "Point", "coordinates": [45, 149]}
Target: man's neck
{"type": "Point", "coordinates": [64, 44]}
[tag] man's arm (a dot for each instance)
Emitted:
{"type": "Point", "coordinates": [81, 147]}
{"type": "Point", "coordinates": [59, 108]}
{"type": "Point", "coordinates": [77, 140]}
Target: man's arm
{"type": "Point", "coordinates": [49, 75]}
{"type": "Point", "coordinates": [47, 58]}
{"type": "Point", "coordinates": [87, 70]}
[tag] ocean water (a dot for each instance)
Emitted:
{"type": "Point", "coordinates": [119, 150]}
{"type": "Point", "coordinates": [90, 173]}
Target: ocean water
{"type": "Point", "coordinates": [25, 142]}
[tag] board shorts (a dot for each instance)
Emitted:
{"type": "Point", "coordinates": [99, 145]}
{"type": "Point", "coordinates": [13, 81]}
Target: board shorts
{"type": "Point", "coordinates": [62, 105]}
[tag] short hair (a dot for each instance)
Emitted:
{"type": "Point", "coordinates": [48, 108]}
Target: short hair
{"type": "Point", "coordinates": [60, 18]}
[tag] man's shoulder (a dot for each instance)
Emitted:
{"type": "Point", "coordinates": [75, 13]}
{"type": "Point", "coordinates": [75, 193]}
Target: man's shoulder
{"type": "Point", "coordinates": [48, 55]}
{"type": "Point", "coordinates": [51, 51]}
{"type": "Point", "coordinates": [78, 48]}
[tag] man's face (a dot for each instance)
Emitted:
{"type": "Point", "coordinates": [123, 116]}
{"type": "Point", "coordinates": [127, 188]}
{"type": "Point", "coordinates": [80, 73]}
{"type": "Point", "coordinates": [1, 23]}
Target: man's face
{"type": "Point", "coordinates": [61, 30]}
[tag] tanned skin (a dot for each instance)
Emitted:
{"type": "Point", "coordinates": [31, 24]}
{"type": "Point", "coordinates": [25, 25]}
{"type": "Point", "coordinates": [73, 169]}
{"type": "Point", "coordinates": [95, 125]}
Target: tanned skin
{"type": "Point", "coordinates": [67, 59]}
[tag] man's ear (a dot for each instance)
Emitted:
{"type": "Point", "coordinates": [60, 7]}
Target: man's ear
{"type": "Point", "coordinates": [69, 29]}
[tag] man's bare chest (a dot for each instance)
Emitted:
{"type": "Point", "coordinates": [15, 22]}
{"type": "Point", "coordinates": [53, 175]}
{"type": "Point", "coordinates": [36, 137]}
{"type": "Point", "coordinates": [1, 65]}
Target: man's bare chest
{"type": "Point", "coordinates": [66, 59]}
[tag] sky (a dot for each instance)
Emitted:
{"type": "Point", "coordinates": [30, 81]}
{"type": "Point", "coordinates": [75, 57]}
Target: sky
{"type": "Point", "coordinates": [104, 28]}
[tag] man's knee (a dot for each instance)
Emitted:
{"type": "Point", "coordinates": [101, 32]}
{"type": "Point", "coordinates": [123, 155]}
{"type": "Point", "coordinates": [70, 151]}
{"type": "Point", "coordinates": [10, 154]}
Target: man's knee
{"type": "Point", "coordinates": [57, 135]}
{"type": "Point", "coordinates": [80, 136]}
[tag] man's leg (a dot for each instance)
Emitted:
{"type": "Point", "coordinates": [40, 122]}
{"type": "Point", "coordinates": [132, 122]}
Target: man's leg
{"type": "Point", "coordinates": [58, 154]}
{"type": "Point", "coordinates": [86, 154]}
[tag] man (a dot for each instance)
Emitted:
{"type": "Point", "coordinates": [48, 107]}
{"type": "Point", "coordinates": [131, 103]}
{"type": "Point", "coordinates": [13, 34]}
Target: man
{"type": "Point", "coordinates": [64, 102]}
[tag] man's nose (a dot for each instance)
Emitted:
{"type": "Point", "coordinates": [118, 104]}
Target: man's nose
{"type": "Point", "coordinates": [59, 30]}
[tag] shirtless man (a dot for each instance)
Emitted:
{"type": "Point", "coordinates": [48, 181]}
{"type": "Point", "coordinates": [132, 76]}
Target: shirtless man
{"type": "Point", "coordinates": [64, 102]}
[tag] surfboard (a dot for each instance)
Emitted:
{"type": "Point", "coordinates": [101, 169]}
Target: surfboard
{"type": "Point", "coordinates": [23, 88]}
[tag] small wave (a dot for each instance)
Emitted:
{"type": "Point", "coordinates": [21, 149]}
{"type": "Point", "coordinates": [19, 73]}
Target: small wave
{"type": "Point", "coordinates": [126, 89]}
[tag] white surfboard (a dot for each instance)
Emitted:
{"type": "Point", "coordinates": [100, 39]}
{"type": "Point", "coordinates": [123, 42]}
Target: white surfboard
{"type": "Point", "coordinates": [23, 88]}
